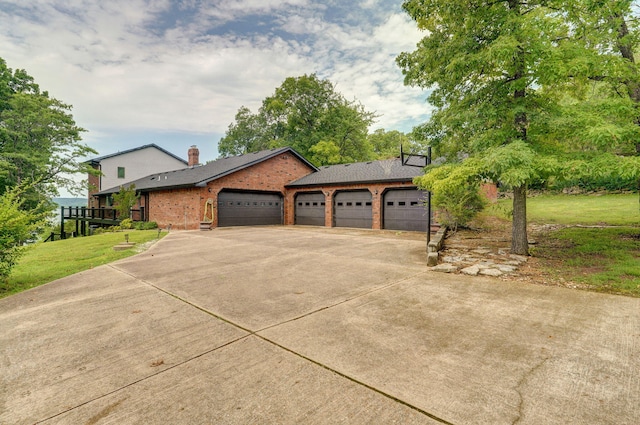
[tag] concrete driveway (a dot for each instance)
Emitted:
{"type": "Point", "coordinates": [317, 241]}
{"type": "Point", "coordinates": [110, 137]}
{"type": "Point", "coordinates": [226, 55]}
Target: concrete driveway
{"type": "Point", "coordinates": [292, 325]}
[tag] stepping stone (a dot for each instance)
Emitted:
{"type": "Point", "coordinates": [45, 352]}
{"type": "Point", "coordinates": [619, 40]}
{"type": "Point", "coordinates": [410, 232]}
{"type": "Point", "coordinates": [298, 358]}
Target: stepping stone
{"type": "Point", "coordinates": [505, 268]}
{"type": "Point", "coordinates": [471, 270]}
{"type": "Point", "coordinates": [445, 268]}
{"type": "Point", "coordinates": [491, 272]}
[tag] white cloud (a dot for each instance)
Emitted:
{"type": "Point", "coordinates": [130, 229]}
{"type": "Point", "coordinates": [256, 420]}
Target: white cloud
{"type": "Point", "coordinates": [122, 68]}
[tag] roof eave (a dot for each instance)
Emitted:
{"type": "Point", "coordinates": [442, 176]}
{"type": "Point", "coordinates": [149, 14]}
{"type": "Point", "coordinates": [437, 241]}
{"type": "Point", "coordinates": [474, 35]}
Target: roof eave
{"type": "Point", "coordinates": [407, 179]}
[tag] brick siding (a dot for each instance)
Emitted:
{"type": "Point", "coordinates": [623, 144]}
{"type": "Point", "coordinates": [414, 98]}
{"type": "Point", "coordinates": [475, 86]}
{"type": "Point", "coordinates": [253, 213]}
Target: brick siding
{"type": "Point", "coordinates": [185, 208]}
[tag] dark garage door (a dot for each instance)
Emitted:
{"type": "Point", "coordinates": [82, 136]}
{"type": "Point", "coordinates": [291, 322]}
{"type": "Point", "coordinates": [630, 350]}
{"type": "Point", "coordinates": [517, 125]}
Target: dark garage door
{"type": "Point", "coordinates": [249, 208]}
{"type": "Point", "coordinates": [353, 209]}
{"type": "Point", "coordinates": [405, 210]}
{"type": "Point", "coordinates": [310, 209]}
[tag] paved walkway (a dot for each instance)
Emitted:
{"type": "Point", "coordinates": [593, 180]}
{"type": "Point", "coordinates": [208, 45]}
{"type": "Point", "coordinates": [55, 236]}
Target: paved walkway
{"type": "Point", "coordinates": [294, 325]}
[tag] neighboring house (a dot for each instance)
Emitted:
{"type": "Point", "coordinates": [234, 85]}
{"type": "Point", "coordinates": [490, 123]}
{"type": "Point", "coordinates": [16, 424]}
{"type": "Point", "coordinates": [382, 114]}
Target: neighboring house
{"type": "Point", "coordinates": [124, 167]}
{"type": "Point", "coordinates": [279, 186]}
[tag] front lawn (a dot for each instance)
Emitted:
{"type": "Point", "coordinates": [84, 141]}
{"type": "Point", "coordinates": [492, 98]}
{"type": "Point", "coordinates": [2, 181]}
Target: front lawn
{"type": "Point", "coordinates": [48, 261]}
{"type": "Point", "coordinates": [594, 242]}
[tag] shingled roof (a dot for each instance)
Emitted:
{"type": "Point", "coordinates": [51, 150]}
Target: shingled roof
{"type": "Point", "coordinates": [151, 145]}
{"type": "Point", "coordinates": [360, 172]}
{"type": "Point", "coordinates": [199, 176]}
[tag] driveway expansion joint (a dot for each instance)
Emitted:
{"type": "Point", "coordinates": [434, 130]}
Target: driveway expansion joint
{"type": "Point", "coordinates": [282, 347]}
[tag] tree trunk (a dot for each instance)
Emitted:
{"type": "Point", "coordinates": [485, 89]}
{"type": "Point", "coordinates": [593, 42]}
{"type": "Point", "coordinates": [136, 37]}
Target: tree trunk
{"type": "Point", "coordinates": [519, 241]}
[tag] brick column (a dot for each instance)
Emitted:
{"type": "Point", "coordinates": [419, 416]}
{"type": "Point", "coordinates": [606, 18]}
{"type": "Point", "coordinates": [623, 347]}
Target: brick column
{"type": "Point", "coordinates": [328, 207]}
{"type": "Point", "coordinates": [376, 207]}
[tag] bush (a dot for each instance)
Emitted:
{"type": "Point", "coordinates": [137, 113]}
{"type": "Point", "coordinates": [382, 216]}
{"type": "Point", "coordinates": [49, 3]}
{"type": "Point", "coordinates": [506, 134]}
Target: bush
{"type": "Point", "coordinates": [127, 223]}
{"type": "Point", "coordinates": [16, 227]}
{"type": "Point", "coordinates": [145, 225]}
{"type": "Point", "coordinates": [455, 193]}
{"type": "Point", "coordinates": [457, 206]}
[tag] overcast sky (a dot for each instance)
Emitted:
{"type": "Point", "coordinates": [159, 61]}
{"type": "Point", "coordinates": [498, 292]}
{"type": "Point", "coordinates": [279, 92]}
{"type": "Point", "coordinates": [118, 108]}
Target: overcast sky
{"type": "Point", "coordinates": [175, 72]}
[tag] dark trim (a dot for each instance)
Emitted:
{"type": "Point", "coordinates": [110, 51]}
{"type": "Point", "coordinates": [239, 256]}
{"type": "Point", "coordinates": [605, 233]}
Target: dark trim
{"type": "Point", "coordinates": [97, 160]}
{"type": "Point", "coordinates": [280, 151]}
{"type": "Point", "coordinates": [342, 183]}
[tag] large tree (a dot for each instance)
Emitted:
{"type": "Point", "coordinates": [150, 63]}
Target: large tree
{"type": "Point", "coordinates": [308, 114]}
{"type": "Point", "coordinates": [39, 140]}
{"type": "Point", "coordinates": [503, 74]}
{"type": "Point", "coordinates": [610, 31]}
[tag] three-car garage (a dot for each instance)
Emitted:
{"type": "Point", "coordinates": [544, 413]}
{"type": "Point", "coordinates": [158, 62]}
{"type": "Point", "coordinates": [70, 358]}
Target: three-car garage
{"type": "Point", "coordinates": [401, 209]}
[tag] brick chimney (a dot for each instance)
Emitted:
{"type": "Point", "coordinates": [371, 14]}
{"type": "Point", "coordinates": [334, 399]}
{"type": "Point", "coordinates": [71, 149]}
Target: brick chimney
{"type": "Point", "coordinates": [194, 156]}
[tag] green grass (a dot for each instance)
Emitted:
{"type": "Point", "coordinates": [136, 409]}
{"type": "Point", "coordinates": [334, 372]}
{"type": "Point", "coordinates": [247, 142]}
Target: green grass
{"type": "Point", "coordinates": [604, 259]}
{"type": "Point", "coordinates": [611, 209]}
{"type": "Point", "coordinates": [48, 261]}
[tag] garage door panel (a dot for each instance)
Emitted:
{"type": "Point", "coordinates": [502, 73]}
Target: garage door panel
{"type": "Point", "coordinates": [405, 210]}
{"type": "Point", "coordinates": [310, 209]}
{"type": "Point", "coordinates": [249, 209]}
{"type": "Point", "coordinates": [353, 209]}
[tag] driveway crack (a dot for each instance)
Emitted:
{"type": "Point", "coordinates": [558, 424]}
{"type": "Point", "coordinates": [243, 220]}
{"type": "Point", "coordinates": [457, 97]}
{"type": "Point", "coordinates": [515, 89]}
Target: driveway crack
{"type": "Point", "coordinates": [523, 380]}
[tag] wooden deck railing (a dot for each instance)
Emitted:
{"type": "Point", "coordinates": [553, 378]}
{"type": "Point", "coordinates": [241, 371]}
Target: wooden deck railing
{"type": "Point", "coordinates": [86, 217]}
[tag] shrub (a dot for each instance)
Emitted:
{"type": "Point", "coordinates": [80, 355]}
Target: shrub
{"type": "Point", "coordinates": [16, 227]}
{"type": "Point", "coordinates": [145, 225]}
{"type": "Point", "coordinates": [127, 223]}
{"type": "Point", "coordinates": [455, 194]}
{"type": "Point", "coordinates": [458, 205]}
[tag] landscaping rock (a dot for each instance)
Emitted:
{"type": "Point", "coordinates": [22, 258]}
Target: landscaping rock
{"type": "Point", "coordinates": [471, 270]}
{"type": "Point", "coordinates": [505, 268]}
{"type": "Point", "coordinates": [491, 272]}
{"type": "Point", "coordinates": [445, 268]}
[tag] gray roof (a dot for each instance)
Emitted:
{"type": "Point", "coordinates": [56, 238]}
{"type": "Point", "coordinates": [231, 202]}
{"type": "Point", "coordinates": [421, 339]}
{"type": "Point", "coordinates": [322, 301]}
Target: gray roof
{"type": "Point", "coordinates": [199, 176]}
{"type": "Point", "coordinates": [361, 172]}
{"type": "Point", "coordinates": [151, 145]}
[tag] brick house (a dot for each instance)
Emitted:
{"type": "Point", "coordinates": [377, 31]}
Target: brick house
{"type": "Point", "coordinates": [279, 186]}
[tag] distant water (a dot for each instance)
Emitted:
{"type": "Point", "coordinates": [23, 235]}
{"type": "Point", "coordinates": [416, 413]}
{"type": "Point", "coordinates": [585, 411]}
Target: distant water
{"type": "Point", "coordinates": [67, 202]}
{"type": "Point", "coordinates": [71, 202]}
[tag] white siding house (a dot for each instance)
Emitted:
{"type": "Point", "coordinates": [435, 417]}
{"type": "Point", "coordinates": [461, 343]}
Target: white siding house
{"type": "Point", "coordinates": [126, 166]}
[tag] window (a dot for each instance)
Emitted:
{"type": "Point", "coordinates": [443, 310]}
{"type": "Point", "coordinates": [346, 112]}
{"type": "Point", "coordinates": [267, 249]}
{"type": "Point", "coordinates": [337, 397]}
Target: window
{"type": "Point", "coordinates": [401, 203]}
{"type": "Point", "coordinates": [358, 204]}
{"type": "Point", "coordinates": [120, 172]}
{"type": "Point", "coordinates": [389, 203]}
{"type": "Point", "coordinates": [368, 204]}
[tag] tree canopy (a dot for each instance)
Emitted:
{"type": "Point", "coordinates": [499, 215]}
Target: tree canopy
{"type": "Point", "coordinates": [307, 114]}
{"type": "Point", "coordinates": [510, 79]}
{"type": "Point", "coordinates": [40, 146]}
{"type": "Point", "coordinates": [39, 140]}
